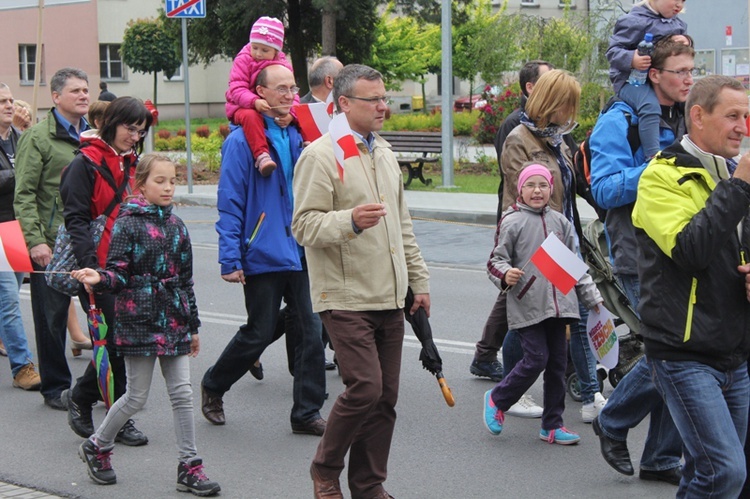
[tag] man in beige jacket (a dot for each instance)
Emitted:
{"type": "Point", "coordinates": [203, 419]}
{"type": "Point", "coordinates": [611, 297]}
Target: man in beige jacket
{"type": "Point", "coordinates": [362, 257]}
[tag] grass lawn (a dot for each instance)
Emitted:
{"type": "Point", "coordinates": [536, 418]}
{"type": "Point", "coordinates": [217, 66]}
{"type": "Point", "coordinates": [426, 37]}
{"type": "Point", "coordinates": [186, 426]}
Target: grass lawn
{"type": "Point", "coordinates": [467, 177]}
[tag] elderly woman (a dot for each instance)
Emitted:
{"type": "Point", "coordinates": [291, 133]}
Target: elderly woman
{"type": "Point", "coordinates": [548, 116]}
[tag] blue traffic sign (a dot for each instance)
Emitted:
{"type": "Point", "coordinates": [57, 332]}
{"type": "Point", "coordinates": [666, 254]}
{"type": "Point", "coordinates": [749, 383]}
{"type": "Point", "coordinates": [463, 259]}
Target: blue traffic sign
{"type": "Point", "coordinates": [186, 8]}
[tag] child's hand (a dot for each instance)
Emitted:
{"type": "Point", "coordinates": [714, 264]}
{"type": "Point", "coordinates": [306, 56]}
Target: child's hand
{"type": "Point", "coordinates": [641, 62]}
{"type": "Point", "coordinates": [195, 345]}
{"type": "Point", "coordinates": [595, 308]}
{"type": "Point", "coordinates": [284, 121]}
{"type": "Point", "coordinates": [261, 105]}
{"type": "Point", "coordinates": [86, 276]}
{"type": "Point", "coordinates": [513, 276]}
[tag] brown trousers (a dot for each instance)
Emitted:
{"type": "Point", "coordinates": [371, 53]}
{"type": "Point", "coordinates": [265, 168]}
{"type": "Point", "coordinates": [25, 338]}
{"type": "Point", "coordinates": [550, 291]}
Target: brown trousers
{"type": "Point", "coordinates": [368, 349]}
{"type": "Point", "coordinates": [494, 332]}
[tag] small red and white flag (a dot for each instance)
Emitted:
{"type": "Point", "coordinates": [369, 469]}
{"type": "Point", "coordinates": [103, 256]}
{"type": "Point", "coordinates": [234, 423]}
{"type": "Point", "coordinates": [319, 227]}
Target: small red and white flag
{"type": "Point", "coordinates": [344, 146]}
{"type": "Point", "coordinates": [14, 257]}
{"type": "Point", "coordinates": [313, 119]}
{"type": "Point", "coordinates": [561, 266]}
{"type": "Point", "coordinates": [330, 108]}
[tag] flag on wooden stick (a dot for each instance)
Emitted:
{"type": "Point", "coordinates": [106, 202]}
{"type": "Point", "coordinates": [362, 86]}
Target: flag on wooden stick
{"type": "Point", "coordinates": [561, 266]}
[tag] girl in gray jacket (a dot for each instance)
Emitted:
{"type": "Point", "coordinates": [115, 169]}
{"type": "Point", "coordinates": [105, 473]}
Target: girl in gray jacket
{"type": "Point", "coordinates": [537, 309]}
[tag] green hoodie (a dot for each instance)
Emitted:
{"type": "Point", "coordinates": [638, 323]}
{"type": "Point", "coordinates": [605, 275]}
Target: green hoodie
{"type": "Point", "coordinates": [43, 151]}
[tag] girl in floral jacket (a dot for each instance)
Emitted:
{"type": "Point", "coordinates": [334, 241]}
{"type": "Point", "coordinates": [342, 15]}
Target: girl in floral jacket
{"type": "Point", "coordinates": [150, 269]}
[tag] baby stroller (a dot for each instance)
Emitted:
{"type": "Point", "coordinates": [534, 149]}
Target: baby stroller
{"type": "Point", "coordinates": [596, 255]}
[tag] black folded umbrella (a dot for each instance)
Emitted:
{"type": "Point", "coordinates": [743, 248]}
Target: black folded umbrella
{"type": "Point", "coordinates": [429, 355]}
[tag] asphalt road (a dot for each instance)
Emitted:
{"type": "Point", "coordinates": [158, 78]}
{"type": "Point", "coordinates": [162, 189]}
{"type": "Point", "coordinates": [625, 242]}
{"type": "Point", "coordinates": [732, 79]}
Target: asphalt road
{"type": "Point", "coordinates": [438, 452]}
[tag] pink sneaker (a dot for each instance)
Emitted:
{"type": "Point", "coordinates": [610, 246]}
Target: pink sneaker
{"type": "Point", "coordinates": [265, 164]}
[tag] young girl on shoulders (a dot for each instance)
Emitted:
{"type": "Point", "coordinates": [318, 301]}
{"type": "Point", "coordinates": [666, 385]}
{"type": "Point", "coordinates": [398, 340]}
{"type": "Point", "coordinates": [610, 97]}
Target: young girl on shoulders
{"type": "Point", "coordinates": [536, 309]}
{"type": "Point", "coordinates": [243, 105]}
{"type": "Point", "coordinates": [658, 17]}
{"type": "Point", "coordinates": [150, 269]}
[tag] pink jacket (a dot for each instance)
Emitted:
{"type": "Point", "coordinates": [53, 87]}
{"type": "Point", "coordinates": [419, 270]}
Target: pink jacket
{"type": "Point", "coordinates": [245, 70]}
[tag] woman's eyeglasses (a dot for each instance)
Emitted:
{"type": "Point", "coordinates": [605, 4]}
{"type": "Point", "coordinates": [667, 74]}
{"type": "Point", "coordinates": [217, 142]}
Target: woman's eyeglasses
{"type": "Point", "coordinates": [135, 131]}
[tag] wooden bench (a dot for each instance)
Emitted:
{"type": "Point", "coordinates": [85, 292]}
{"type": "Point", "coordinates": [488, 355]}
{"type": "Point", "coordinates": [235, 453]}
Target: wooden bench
{"type": "Point", "coordinates": [428, 144]}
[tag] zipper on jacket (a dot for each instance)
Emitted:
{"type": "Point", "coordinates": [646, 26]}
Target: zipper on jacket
{"type": "Point", "coordinates": [691, 306]}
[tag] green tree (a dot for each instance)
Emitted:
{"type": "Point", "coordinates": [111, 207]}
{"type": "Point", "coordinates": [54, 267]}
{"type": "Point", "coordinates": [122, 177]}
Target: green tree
{"type": "Point", "coordinates": [148, 47]}
{"type": "Point", "coordinates": [565, 42]}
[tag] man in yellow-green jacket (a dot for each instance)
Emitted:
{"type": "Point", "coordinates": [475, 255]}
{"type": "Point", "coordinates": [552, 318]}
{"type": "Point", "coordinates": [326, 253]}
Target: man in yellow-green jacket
{"type": "Point", "coordinates": [693, 237]}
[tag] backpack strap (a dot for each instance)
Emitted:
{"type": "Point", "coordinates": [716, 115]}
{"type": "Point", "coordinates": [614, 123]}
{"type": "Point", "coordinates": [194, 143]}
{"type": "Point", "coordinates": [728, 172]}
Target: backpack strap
{"type": "Point", "coordinates": [119, 190]}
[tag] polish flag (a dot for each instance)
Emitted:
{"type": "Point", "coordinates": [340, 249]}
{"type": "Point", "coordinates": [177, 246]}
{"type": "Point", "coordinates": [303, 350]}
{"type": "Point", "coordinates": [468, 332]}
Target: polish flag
{"type": "Point", "coordinates": [561, 266]}
{"type": "Point", "coordinates": [14, 257]}
{"type": "Point", "coordinates": [330, 108]}
{"type": "Point", "coordinates": [344, 146]}
{"type": "Point", "coordinates": [313, 119]}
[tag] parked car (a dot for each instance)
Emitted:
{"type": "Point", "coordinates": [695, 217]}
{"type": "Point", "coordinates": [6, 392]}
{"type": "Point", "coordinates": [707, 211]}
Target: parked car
{"type": "Point", "coordinates": [475, 100]}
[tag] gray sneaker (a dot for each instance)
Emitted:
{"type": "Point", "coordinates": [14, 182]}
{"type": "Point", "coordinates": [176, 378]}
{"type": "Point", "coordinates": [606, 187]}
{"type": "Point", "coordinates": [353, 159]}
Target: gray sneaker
{"type": "Point", "coordinates": [98, 462]}
{"type": "Point", "coordinates": [190, 478]}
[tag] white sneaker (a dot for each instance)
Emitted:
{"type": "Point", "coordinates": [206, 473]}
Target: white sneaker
{"type": "Point", "coordinates": [591, 410]}
{"type": "Point", "coordinates": [525, 408]}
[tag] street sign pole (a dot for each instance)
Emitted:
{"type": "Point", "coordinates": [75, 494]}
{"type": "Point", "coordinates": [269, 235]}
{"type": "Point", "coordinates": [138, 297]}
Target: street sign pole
{"type": "Point", "coordinates": [186, 77]}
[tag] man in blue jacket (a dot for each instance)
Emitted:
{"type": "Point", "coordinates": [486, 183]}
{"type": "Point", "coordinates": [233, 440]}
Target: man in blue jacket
{"type": "Point", "coordinates": [256, 249]}
{"type": "Point", "coordinates": [615, 172]}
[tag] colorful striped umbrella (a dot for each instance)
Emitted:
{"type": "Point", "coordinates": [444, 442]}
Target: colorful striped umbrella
{"type": "Point", "coordinates": [98, 330]}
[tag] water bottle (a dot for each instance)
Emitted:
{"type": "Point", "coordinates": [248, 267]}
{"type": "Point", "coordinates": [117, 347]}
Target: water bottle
{"type": "Point", "coordinates": [646, 47]}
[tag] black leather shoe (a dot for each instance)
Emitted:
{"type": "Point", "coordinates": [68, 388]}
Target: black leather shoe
{"type": "Point", "coordinates": [314, 427]}
{"type": "Point", "coordinates": [212, 406]}
{"type": "Point", "coordinates": [130, 435]}
{"type": "Point", "coordinates": [672, 476]}
{"type": "Point", "coordinates": [55, 403]}
{"type": "Point", "coordinates": [79, 418]}
{"type": "Point", "coordinates": [614, 452]}
{"type": "Point", "coordinates": [257, 371]}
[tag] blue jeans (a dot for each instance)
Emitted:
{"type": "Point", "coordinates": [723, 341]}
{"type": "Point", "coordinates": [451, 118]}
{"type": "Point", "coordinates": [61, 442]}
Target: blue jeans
{"type": "Point", "coordinates": [263, 294]}
{"type": "Point", "coordinates": [633, 399]}
{"type": "Point", "coordinates": [710, 409]}
{"type": "Point", "coordinates": [12, 332]}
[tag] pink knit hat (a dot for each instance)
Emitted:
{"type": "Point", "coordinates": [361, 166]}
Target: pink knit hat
{"type": "Point", "coordinates": [268, 31]}
{"type": "Point", "coordinates": [531, 170]}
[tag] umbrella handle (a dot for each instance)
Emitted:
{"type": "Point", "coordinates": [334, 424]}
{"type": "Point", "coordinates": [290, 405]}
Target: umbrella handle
{"type": "Point", "coordinates": [447, 393]}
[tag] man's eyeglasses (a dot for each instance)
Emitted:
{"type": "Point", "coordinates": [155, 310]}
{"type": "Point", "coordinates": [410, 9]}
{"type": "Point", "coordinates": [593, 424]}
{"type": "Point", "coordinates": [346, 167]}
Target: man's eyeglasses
{"type": "Point", "coordinates": [284, 90]}
{"type": "Point", "coordinates": [372, 100]}
{"type": "Point", "coordinates": [682, 73]}
{"type": "Point", "coordinates": [135, 132]}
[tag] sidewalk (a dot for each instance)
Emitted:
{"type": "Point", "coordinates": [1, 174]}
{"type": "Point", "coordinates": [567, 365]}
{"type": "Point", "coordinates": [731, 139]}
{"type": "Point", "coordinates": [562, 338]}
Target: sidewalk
{"type": "Point", "coordinates": [446, 206]}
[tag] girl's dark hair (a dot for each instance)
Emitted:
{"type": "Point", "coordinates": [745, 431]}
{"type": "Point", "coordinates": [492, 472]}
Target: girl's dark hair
{"type": "Point", "coordinates": [125, 111]}
{"type": "Point", "coordinates": [145, 164]}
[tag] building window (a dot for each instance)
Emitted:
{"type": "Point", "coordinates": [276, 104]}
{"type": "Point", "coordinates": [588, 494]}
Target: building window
{"type": "Point", "coordinates": [177, 76]}
{"type": "Point", "coordinates": [27, 64]}
{"type": "Point", "coordinates": [566, 3]}
{"type": "Point", "coordinates": [529, 3]}
{"type": "Point", "coordinates": [110, 62]}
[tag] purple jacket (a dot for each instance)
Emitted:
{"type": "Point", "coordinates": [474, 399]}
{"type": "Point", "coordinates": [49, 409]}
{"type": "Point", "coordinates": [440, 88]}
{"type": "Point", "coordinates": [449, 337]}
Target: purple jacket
{"type": "Point", "coordinates": [629, 31]}
{"type": "Point", "coordinates": [245, 70]}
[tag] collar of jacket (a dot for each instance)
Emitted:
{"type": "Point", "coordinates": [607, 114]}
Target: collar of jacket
{"type": "Point", "coordinates": [716, 165]}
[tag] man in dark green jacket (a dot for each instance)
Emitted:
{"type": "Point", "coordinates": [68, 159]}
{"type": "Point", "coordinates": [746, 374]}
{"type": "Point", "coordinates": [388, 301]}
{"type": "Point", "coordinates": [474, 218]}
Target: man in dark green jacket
{"type": "Point", "coordinates": [43, 151]}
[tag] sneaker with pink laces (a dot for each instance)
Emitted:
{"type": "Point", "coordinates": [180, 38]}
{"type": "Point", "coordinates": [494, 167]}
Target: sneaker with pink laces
{"type": "Point", "coordinates": [265, 164]}
{"type": "Point", "coordinates": [493, 417]}
{"type": "Point", "coordinates": [561, 435]}
{"type": "Point", "coordinates": [191, 478]}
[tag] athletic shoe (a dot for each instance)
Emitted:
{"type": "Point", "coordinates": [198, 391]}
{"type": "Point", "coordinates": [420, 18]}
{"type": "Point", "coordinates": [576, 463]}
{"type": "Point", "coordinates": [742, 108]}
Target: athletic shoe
{"type": "Point", "coordinates": [130, 435]}
{"type": "Point", "coordinates": [525, 408]}
{"type": "Point", "coordinates": [561, 436]}
{"type": "Point", "coordinates": [493, 417]}
{"type": "Point", "coordinates": [98, 462]}
{"type": "Point", "coordinates": [590, 411]}
{"type": "Point", "coordinates": [190, 478]}
{"type": "Point", "coordinates": [492, 370]}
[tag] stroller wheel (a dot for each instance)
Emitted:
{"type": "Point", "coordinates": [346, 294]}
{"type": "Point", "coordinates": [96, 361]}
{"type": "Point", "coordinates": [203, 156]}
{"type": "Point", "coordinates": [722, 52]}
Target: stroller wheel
{"type": "Point", "coordinates": [573, 387]}
{"type": "Point", "coordinates": [614, 377]}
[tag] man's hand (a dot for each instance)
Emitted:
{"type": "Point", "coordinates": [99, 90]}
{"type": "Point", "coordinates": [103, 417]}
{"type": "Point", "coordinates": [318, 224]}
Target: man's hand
{"type": "Point", "coordinates": [365, 216]}
{"type": "Point", "coordinates": [743, 168]}
{"type": "Point", "coordinates": [421, 301]}
{"type": "Point", "coordinates": [641, 62]}
{"type": "Point", "coordinates": [284, 121]}
{"type": "Point", "coordinates": [21, 118]}
{"type": "Point", "coordinates": [512, 276]}
{"type": "Point", "coordinates": [236, 276]}
{"type": "Point", "coordinates": [262, 106]}
{"type": "Point", "coordinates": [41, 254]}
{"type": "Point", "coordinates": [745, 269]}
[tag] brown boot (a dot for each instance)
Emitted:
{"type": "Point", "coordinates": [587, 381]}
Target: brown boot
{"type": "Point", "coordinates": [27, 378]}
{"type": "Point", "coordinates": [325, 489]}
{"type": "Point", "coordinates": [212, 406]}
